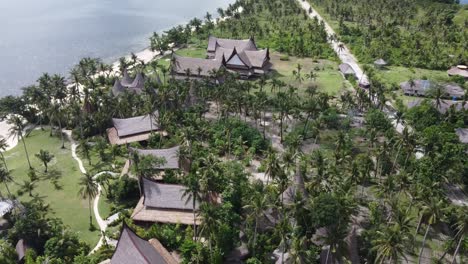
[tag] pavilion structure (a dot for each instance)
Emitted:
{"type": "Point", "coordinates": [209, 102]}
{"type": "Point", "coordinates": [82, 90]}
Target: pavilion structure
{"type": "Point", "coordinates": [127, 83]}
{"type": "Point", "coordinates": [459, 70]}
{"type": "Point", "coordinates": [135, 250]}
{"type": "Point", "coordinates": [236, 56]}
{"type": "Point", "coordinates": [169, 159]}
{"type": "Point", "coordinates": [166, 203]}
{"type": "Point", "coordinates": [135, 129]}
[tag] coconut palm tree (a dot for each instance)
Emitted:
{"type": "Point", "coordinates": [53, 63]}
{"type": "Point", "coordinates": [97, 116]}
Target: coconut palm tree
{"type": "Point", "coordinates": [89, 189]}
{"type": "Point", "coordinates": [193, 194]}
{"type": "Point", "coordinates": [256, 208]}
{"type": "Point", "coordinates": [16, 129]}
{"type": "Point", "coordinates": [3, 147]}
{"type": "Point", "coordinates": [462, 230]}
{"type": "Point", "coordinates": [45, 157]}
{"type": "Point", "coordinates": [27, 187]}
{"type": "Point", "coordinates": [432, 212]}
{"type": "Point", "coordinates": [5, 178]}
{"type": "Point", "coordinates": [390, 245]}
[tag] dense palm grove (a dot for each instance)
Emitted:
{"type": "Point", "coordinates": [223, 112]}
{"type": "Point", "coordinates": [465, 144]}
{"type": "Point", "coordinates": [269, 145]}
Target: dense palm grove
{"type": "Point", "coordinates": [413, 33]}
{"type": "Point", "coordinates": [337, 186]}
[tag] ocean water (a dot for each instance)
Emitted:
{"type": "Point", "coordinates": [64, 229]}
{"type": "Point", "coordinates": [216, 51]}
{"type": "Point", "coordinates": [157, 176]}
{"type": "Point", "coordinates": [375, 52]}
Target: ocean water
{"type": "Point", "coordinates": [52, 35]}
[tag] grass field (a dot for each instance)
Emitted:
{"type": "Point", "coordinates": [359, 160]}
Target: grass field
{"type": "Point", "coordinates": [65, 202]}
{"type": "Point", "coordinates": [397, 74]}
{"type": "Point", "coordinates": [328, 79]}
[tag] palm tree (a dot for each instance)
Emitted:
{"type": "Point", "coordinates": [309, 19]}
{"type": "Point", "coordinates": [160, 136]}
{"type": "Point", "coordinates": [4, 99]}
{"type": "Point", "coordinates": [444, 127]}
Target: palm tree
{"type": "Point", "coordinates": [89, 190]}
{"type": "Point", "coordinates": [193, 194]}
{"type": "Point", "coordinates": [462, 230]}
{"type": "Point", "coordinates": [85, 149]}
{"type": "Point", "coordinates": [3, 147]}
{"type": "Point", "coordinates": [16, 130]}
{"type": "Point", "coordinates": [390, 245]}
{"type": "Point", "coordinates": [27, 186]}
{"type": "Point", "coordinates": [5, 178]}
{"type": "Point", "coordinates": [45, 157]}
{"type": "Point", "coordinates": [432, 212]}
{"type": "Point", "coordinates": [256, 208]}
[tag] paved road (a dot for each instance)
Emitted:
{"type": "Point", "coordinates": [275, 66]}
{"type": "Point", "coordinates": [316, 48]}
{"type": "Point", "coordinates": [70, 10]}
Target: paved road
{"type": "Point", "coordinates": [343, 52]}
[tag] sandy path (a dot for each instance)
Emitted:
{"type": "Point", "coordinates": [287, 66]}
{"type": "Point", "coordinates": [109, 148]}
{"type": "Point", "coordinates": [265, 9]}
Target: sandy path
{"type": "Point", "coordinates": [101, 222]}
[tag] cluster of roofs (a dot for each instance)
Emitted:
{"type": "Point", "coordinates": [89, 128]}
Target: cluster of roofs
{"type": "Point", "coordinates": [424, 87]}
{"type": "Point", "coordinates": [129, 84]}
{"type": "Point", "coordinates": [236, 56]}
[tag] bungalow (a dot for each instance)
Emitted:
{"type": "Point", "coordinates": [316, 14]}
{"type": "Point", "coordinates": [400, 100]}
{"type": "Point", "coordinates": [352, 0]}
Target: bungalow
{"type": "Point", "coordinates": [462, 134]}
{"type": "Point", "coordinates": [165, 203]}
{"type": "Point", "coordinates": [169, 156]}
{"type": "Point", "coordinates": [133, 249]}
{"type": "Point", "coordinates": [129, 84]}
{"type": "Point", "coordinates": [133, 129]}
{"type": "Point", "coordinates": [422, 87]}
{"type": "Point", "coordinates": [346, 70]}
{"type": "Point", "coordinates": [460, 70]}
{"type": "Point", "coordinates": [444, 106]}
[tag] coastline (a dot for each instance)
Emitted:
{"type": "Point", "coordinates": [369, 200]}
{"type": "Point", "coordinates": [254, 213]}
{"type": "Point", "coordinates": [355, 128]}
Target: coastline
{"type": "Point", "coordinates": [12, 141]}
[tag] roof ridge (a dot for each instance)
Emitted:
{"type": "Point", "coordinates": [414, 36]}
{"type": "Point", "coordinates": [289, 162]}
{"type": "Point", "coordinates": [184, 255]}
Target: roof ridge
{"type": "Point", "coordinates": [134, 244]}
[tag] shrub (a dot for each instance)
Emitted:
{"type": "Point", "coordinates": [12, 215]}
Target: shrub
{"type": "Point", "coordinates": [284, 58]}
{"type": "Point", "coordinates": [123, 190]}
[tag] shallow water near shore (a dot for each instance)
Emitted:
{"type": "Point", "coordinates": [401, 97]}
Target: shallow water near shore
{"type": "Point", "coordinates": [52, 35]}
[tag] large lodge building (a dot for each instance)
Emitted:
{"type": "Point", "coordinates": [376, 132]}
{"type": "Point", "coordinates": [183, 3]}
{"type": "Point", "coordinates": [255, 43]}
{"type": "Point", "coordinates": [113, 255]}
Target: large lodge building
{"type": "Point", "coordinates": [236, 56]}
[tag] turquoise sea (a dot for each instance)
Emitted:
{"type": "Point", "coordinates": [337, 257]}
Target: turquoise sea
{"type": "Point", "coordinates": [52, 35]}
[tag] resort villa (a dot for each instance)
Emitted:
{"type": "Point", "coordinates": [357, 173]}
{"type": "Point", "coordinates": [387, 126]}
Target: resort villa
{"type": "Point", "coordinates": [445, 105]}
{"type": "Point", "coordinates": [423, 87]}
{"type": "Point", "coordinates": [169, 159]}
{"type": "Point", "coordinates": [133, 249]}
{"type": "Point", "coordinates": [165, 203]}
{"type": "Point", "coordinates": [236, 56]}
{"type": "Point", "coordinates": [129, 84]}
{"type": "Point", "coordinates": [133, 129]}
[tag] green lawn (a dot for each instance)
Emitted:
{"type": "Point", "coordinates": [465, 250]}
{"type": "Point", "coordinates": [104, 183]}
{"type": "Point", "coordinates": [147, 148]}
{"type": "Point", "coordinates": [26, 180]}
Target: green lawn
{"type": "Point", "coordinates": [328, 79]}
{"type": "Point", "coordinates": [397, 74]}
{"type": "Point", "coordinates": [64, 203]}
{"type": "Point", "coordinates": [192, 52]}
{"type": "Point", "coordinates": [461, 16]}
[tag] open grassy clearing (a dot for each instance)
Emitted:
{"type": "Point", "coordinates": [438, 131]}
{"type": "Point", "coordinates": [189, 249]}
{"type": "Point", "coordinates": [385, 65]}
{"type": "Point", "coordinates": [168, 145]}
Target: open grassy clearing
{"type": "Point", "coordinates": [64, 202]}
{"type": "Point", "coordinates": [394, 75]}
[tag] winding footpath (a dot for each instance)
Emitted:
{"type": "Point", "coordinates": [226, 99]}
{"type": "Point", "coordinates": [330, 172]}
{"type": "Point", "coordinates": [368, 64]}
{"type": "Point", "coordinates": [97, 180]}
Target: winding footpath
{"type": "Point", "coordinates": [101, 222]}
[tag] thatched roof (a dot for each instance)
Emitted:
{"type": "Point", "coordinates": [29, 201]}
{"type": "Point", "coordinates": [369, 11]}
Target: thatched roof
{"type": "Point", "coordinates": [197, 66]}
{"type": "Point", "coordinates": [240, 45]}
{"type": "Point", "coordinates": [419, 87]}
{"type": "Point", "coordinates": [167, 196]}
{"type": "Point", "coordinates": [171, 156]}
{"type": "Point", "coordinates": [143, 213]}
{"type": "Point", "coordinates": [460, 70]}
{"type": "Point", "coordinates": [462, 135]}
{"type": "Point", "coordinates": [114, 138]}
{"type": "Point", "coordinates": [126, 80]}
{"type": "Point", "coordinates": [134, 125]}
{"type": "Point", "coordinates": [380, 62]}
{"type": "Point", "coordinates": [21, 248]}
{"type": "Point", "coordinates": [118, 88]}
{"type": "Point", "coordinates": [133, 249]}
{"type": "Point", "coordinates": [445, 105]}
{"type": "Point", "coordinates": [346, 69]}
{"type": "Point", "coordinates": [6, 206]}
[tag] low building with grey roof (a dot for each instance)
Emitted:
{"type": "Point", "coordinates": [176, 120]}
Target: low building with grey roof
{"type": "Point", "coordinates": [165, 203]}
{"type": "Point", "coordinates": [134, 129]}
{"type": "Point", "coordinates": [135, 250]}
{"type": "Point", "coordinates": [424, 88]}
{"type": "Point", "coordinates": [444, 106]}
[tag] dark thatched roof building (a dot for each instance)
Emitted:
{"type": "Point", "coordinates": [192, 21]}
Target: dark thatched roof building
{"type": "Point", "coordinates": [133, 249]}
{"type": "Point", "coordinates": [237, 56]}
{"type": "Point", "coordinates": [170, 156]}
{"type": "Point", "coordinates": [165, 203]}
{"type": "Point", "coordinates": [129, 84]}
{"type": "Point", "coordinates": [132, 129]}
{"type": "Point", "coordinates": [445, 105]}
{"type": "Point", "coordinates": [424, 87]}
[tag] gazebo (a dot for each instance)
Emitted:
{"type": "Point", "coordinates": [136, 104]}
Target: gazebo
{"type": "Point", "coordinates": [380, 63]}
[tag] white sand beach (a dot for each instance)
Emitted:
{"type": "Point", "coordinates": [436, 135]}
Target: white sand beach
{"type": "Point", "coordinates": [5, 133]}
